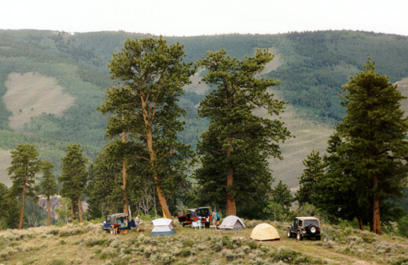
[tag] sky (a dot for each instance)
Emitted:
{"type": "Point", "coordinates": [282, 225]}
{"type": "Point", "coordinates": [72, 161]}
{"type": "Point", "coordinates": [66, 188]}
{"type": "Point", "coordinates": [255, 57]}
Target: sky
{"type": "Point", "coordinates": [206, 17]}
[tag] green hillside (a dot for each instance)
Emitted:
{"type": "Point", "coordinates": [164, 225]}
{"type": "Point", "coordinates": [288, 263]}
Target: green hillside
{"type": "Point", "coordinates": [66, 75]}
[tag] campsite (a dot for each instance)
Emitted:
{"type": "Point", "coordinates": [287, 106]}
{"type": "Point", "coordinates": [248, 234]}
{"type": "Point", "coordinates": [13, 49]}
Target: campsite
{"type": "Point", "coordinates": [86, 243]}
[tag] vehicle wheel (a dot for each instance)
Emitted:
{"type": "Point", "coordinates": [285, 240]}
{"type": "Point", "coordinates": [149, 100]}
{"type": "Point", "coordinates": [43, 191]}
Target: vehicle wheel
{"type": "Point", "coordinates": [207, 225]}
{"type": "Point", "coordinates": [313, 229]}
{"type": "Point", "coordinates": [299, 236]}
{"type": "Point", "coordinates": [289, 234]}
{"type": "Point", "coordinates": [318, 238]}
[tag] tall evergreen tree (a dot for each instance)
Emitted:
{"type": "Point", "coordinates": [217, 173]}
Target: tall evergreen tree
{"type": "Point", "coordinates": [149, 77]}
{"type": "Point", "coordinates": [374, 131]}
{"type": "Point", "coordinates": [8, 208]}
{"type": "Point", "coordinates": [237, 144]}
{"type": "Point", "coordinates": [24, 167]}
{"type": "Point", "coordinates": [308, 183]}
{"type": "Point", "coordinates": [74, 175]}
{"type": "Point", "coordinates": [48, 186]}
{"type": "Point", "coordinates": [281, 195]}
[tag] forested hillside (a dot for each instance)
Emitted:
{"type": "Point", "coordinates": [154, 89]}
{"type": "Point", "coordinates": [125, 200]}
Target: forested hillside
{"type": "Point", "coordinates": [66, 74]}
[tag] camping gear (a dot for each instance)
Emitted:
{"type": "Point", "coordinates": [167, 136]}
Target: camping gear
{"type": "Point", "coordinates": [116, 219]}
{"type": "Point", "coordinates": [201, 215]}
{"type": "Point", "coordinates": [232, 222]}
{"type": "Point", "coordinates": [162, 227]}
{"type": "Point", "coordinates": [264, 231]}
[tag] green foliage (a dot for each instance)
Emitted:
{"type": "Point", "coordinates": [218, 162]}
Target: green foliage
{"type": "Point", "coordinates": [237, 142]}
{"type": "Point", "coordinates": [149, 76]}
{"type": "Point", "coordinates": [48, 186]}
{"type": "Point", "coordinates": [24, 167]}
{"type": "Point", "coordinates": [369, 148]}
{"type": "Point", "coordinates": [403, 226]}
{"type": "Point", "coordinates": [314, 66]}
{"type": "Point", "coordinates": [74, 174]}
{"type": "Point", "coordinates": [8, 208]}
{"type": "Point", "coordinates": [312, 175]}
{"type": "Point", "coordinates": [281, 195]}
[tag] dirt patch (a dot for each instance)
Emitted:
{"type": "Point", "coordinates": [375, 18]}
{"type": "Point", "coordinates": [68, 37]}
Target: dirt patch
{"type": "Point", "coordinates": [5, 160]}
{"type": "Point", "coordinates": [31, 94]}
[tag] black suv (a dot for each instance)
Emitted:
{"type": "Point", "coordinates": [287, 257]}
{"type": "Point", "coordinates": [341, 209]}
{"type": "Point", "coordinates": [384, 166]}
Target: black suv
{"type": "Point", "coordinates": [305, 227]}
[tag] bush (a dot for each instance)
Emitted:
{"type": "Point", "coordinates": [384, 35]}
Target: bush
{"type": "Point", "coordinates": [403, 226]}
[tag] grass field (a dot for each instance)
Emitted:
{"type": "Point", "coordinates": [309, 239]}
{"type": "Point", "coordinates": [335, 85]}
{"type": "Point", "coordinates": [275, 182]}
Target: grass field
{"type": "Point", "coordinates": [87, 244]}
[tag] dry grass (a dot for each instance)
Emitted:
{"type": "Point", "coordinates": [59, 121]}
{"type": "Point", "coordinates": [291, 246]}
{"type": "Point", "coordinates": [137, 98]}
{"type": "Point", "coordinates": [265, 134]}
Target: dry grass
{"type": "Point", "coordinates": [31, 94]}
{"type": "Point", "coordinates": [88, 244]}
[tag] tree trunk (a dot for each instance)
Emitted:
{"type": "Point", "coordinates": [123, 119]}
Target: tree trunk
{"type": "Point", "coordinates": [72, 211]}
{"type": "Point", "coordinates": [360, 222]}
{"type": "Point", "coordinates": [49, 210]}
{"type": "Point", "coordinates": [149, 139]}
{"type": "Point", "coordinates": [80, 208]}
{"type": "Point", "coordinates": [20, 224]}
{"type": "Point", "coordinates": [376, 209]}
{"type": "Point", "coordinates": [231, 207]}
{"type": "Point", "coordinates": [124, 173]}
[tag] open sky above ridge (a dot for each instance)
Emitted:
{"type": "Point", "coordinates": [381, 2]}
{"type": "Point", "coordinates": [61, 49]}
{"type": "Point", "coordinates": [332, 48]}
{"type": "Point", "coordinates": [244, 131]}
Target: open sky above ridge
{"type": "Point", "coordinates": [189, 18]}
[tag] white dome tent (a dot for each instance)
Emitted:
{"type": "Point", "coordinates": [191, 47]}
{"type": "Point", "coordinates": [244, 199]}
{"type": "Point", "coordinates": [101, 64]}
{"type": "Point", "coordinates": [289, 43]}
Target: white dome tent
{"type": "Point", "coordinates": [232, 222]}
{"type": "Point", "coordinates": [162, 227]}
{"type": "Point", "coordinates": [264, 231]}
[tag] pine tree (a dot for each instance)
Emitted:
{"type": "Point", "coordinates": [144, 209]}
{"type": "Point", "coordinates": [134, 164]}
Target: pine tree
{"type": "Point", "coordinates": [281, 195]}
{"type": "Point", "coordinates": [48, 186]}
{"type": "Point", "coordinates": [8, 208]}
{"type": "Point", "coordinates": [308, 183]}
{"type": "Point", "coordinates": [374, 132]}
{"type": "Point", "coordinates": [74, 175]}
{"type": "Point", "coordinates": [238, 143]}
{"type": "Point", "coordinates": [149, 77]}
{"type": "Point", "coordinates": [24, 167]}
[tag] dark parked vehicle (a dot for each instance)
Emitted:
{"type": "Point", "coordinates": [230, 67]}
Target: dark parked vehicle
{"type": "Point", "coordinates": [202, 215]}
{"type": "Point", "coordinates": [304, 227]}
{"type": "Point", "coordinates": [117, 219]}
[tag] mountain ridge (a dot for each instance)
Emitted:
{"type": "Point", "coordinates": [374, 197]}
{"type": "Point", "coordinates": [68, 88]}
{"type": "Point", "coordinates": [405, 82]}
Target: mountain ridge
{"type": "Point", "coordinates": [313, 66]}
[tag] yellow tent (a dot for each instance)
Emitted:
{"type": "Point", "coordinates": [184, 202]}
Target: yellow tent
{"type": "Point", "coordinates": [265, 232]}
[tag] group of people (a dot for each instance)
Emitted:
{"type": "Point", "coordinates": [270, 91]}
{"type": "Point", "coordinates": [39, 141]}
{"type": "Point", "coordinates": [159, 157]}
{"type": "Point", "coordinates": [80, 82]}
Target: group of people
{"type": "Point", "coordinates": [216, 217]}
{"type": "Point", "coordinates": [120, 223]}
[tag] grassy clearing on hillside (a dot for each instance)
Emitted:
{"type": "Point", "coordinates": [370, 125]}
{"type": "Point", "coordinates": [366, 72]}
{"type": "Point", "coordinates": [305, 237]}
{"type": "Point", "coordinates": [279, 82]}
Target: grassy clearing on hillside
{"type": "Point", "coordinates": [32, 94]}
{"type": "Point", "coordinates": [88, 244]}
{"type": "Point", "coordinates": [5, 161]}
{"type": "Point", "coordinates": [308, 135]}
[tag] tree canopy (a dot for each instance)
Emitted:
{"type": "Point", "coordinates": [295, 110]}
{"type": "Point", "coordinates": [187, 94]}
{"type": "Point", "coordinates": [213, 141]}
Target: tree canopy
{"type": "Point", "coordinates": [237, 144]}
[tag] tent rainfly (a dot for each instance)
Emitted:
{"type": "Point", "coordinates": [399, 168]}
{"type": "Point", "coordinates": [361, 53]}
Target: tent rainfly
{"type": "Point", "coordinates": [232, 222]}
{"type": "Point", "coordinates": [264, 232]}
{"type": "Point", "coordinates": [162, 227]}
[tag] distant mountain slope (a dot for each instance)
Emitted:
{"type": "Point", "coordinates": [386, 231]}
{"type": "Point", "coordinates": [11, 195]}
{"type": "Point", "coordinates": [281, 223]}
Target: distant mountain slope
{"type": "Point", "coordinates": [310, 66]}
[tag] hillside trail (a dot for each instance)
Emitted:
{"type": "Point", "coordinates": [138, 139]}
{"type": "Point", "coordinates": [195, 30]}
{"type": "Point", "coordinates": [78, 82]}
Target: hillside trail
{"type": "Point", "coordinates": [331, 257]}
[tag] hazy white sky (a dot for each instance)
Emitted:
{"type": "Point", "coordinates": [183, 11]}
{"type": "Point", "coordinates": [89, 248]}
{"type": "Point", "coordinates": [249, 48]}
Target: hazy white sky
{"type": "Point", "coordinates": [189, 17]}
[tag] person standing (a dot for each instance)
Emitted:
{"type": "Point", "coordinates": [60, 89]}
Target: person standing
{"type": "Point", "coordinates": [214, 217]}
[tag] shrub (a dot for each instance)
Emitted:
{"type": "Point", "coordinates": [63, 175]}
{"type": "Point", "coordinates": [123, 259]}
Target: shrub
{"type": "Point", "coordinates": [185, 252]}
{"type": "Point", "coordinates": [403, 226]}
{"type": "Point", "coordinates": [188, 243]}
{"type": "Point", "coordinates": [226, 241]}
{"type": "Point", "coordinates": [97, 242]}
{"type": "Point", "coordinates": [402, 261]}
{"type": "Point", "coordinates": [252, 244]}
{"type": "Point", "coordinates": [57, 262]}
